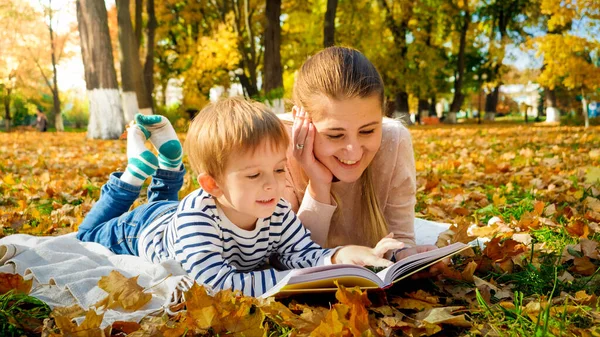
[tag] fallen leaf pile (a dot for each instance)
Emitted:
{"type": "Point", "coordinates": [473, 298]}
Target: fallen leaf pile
{"type": "Point", "coordinates": [530, 195]}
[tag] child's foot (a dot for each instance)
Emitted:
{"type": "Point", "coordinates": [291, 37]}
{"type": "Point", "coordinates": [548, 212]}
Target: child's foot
{"type": "Point", "coordinates": [164, 139]}
{"type": "Point", "coordinates": [141, 162]}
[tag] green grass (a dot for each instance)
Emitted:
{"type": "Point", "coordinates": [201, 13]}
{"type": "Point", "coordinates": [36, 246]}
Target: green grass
{"type": "Point", "coordinates": [21, 315]}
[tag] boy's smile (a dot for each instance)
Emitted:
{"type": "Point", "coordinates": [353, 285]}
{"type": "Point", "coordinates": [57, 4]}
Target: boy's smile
{"type": "Point", "coordinates": [252, 184]}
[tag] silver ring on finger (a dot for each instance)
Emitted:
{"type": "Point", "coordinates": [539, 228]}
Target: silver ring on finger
{"type": "Point", "coordinates": [299, 146]}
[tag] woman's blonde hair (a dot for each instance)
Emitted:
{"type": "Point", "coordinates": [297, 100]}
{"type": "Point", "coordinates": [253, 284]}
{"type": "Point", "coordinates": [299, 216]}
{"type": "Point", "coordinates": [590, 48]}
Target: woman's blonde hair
{"type": "Point", "coordinates": [228, 126]}
{"type": "Point", "coordinates": [340, 73]}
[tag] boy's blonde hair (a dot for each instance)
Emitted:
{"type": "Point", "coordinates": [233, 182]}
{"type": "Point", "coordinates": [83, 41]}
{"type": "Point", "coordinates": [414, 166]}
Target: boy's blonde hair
{"type": "Point", "coordinates": [342, 73]}
{"type": "Point", "coordinates": [227, 126]}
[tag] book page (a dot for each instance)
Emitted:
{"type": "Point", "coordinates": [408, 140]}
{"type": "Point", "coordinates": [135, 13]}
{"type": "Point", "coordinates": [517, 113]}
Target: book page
{"type": "Point", "coordinates": [417, 262]}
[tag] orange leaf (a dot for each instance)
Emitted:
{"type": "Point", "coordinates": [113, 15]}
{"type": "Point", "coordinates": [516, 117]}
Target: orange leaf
{"type": "Point", "coordinates": [126, 327]}
{"type": "Point", "coordinates": [15, 282]}
{"type": "Point", "coordinates": [357, 301]}
{"type": "Point", "coordinates": [578, 228]}
{"type": "Point", "coordinates": [538, 208]}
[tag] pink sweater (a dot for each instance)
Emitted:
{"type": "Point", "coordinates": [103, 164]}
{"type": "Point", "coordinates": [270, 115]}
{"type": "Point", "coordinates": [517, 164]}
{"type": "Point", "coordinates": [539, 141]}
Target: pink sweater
{"type": "Point", "coordinates": [394, 181]}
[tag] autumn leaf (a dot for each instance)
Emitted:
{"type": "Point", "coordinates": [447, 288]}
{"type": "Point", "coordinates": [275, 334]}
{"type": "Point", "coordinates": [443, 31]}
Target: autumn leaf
{"type": "Point", "coordinates": [583, 266]}
{"type": "Point", "coordinates": [333, 324]}
{"type": "Point", "coordinates": [122, 292]}
{"type": "Point", "coordinates": [444, 316]}
{"type": "Point", "coordinates": [90, 327]}
{"type": "Point", "coordinates": [14, 282]}
{"type": "Point", "coordinates": [227, 311]}
{"type": "Point", "coordinates": [356, 300]}
{"type": "Point", "coordinates": [282, 315]}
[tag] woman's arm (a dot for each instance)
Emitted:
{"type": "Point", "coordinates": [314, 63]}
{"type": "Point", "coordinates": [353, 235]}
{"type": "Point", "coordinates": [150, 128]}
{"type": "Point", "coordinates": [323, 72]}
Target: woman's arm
{"type": "Point", "coordinates": [316, 207]}
{"type": "Point", "coordinates": [400, 207]}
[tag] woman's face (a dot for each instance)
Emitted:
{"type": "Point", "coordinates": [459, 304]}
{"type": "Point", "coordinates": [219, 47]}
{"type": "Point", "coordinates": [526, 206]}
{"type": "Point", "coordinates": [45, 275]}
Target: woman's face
{"type": "Point", "coordinates": [348, 135]}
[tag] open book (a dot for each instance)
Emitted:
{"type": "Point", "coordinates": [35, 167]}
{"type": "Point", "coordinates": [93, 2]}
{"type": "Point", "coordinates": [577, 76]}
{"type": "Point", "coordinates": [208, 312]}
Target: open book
{"type": "Point", "coordinates": [322, 278]}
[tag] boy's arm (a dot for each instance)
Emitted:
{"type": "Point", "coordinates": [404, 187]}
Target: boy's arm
{"type": "Point", "coordinates": [199, 248]}
{"type": "Point", "coordinates": [296, 248]}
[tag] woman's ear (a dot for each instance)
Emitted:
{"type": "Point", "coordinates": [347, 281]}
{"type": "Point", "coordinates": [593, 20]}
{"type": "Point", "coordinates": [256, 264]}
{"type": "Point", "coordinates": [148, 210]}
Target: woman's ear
{"type": "Point", "coordinates": [295, 111]}
{"type": "Point", "coordinates": [209, 184]}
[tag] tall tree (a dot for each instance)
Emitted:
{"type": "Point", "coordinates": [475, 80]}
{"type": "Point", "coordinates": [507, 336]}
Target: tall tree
{"type": "Point", "coordinates": [58, 120]}
{"type": "Point", "coordinates": [273, 71]}
{"type": "Point", "coordinates": [567, 55]}
{"type": "Point", "coordinates": [504, 22]}
{"type": "Point", "coordinates": [329, 24]}
{"type": "Point", "coordinates": [150, 40]}
{"type": "Point", "coordinates": [464, 21]}
{"type": "Point", "coordinates": [106, 117]}
{"type": "Point", "coordinates": [135, 96]}
{"type": "Point", "coordinates": [138, 9]}
{"type": "Point", "coordinates": [249, 46]}
{"type": "Point", "coordinates": [397, 17]}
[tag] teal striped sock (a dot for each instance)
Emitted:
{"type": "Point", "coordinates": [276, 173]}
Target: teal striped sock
{"type": "Point", "coordinates": [141, 163]}
{"type": "Point", "coordinates": [164, 138]}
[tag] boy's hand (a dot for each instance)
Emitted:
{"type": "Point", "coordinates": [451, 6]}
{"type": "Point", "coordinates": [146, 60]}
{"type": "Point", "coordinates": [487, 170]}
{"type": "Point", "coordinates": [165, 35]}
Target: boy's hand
{"type": "Point", "coordinates": [365, 256]}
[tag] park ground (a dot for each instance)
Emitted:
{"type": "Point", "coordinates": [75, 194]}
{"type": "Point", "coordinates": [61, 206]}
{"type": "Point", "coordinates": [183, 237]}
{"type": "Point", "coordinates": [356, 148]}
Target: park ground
{"type": "Point", "coordinates": [530, 192]}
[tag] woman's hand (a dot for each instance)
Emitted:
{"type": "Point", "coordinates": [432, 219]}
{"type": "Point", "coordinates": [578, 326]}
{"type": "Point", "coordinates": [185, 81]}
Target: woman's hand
{"type": "Point", "coordinates": [303, 138]}
{"type": "Point", "coordinates": [365, 256]}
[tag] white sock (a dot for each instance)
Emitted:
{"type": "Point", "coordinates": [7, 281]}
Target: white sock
{"type": "Point", "coordinates": [164, 138]}
{"type": "Point", "coordinates": [141, 163]}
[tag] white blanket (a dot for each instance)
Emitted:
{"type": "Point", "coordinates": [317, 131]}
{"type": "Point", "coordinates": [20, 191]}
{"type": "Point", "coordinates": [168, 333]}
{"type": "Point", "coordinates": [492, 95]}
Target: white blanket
{"type": "Point", "coordinates": [66, 271]}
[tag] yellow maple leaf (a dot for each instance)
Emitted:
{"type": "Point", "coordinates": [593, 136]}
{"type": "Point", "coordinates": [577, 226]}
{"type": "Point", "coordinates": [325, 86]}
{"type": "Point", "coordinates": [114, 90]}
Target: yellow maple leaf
{"type": "Point", "coordinates": [90, 327]}
{"type": "Point", "coordinates": [592, 174]}
{"type": "Point", "coordinates": [226, 312]}
{"type": "Point", "coordinates": [9, 180]}
{"type": "Point", "coordinates": [498, 200]}
{"type": "Point", "coordinates": [122, 292]}
{"type": "Point", "coordinates": [358, 302]}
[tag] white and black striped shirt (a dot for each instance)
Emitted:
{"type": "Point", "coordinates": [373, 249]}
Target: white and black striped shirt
{"type": "Point", "coordinates": [217, 253]}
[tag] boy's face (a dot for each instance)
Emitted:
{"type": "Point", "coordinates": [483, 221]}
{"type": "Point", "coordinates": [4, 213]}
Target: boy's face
{"type": "Point", "coordinates": [252, 184]}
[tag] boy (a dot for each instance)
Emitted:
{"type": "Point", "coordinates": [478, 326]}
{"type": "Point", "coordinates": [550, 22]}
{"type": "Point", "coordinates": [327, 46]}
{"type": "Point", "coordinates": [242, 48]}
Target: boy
{"type": "Point", "coordinates": [224, 232]}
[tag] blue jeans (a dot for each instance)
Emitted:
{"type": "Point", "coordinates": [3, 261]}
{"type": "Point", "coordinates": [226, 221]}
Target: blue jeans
{"type": "Point", "coordinates": [111, 224]}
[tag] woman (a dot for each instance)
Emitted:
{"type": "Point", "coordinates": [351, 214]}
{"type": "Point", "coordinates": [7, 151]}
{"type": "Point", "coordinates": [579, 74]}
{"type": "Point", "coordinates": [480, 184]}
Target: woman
{"type": "Point", "coordinates": [351, 173]}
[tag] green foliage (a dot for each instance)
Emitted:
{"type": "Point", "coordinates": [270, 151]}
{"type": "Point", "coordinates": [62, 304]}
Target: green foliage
{"type": "Point", "coordinates": [20, 314]}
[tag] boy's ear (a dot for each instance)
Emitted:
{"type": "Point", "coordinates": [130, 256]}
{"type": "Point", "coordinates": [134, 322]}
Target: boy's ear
{"type": "Point", "coordinates": [209, 184]}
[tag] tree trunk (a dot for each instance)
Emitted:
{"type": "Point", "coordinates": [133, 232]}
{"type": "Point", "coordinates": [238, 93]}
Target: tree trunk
{"type": "Point", "coordinates": [106, 117]}
{"type": "Point", "coordinates": [460, 71]}
{"type": "Point", "coordinates": [399, 31]}
{"type": "Point", "coordinates": [552, 113]}
{"type": "Point", "coordinates": [249, 57]}
{"type": "Point", "coordinates": [491, 100]}
{"type": "Point", "coordinates": [432, 111]}
{"type": "Point", "coordinates": [249, 86]}
{"type": "Point", "coordinates": [491, 103]}
{"type": "Point", "coordinates": [423, 109]}
{"type": "Point", "coordinates": [329, 24]}
{"type": "Point", "coordinates": [132, 81]}
{"type": "Point", "coordinates": [586, 117]}
{"type": "Point", "coordinates": [150, 37]}
{"type": "Point", "coordinates": [163, 89]}
{"type": "Point", "coordinates": [7, 109]}
{"type": "Point", "coordinates": [58, 121]}
{"type": "Point", "coordinates": [401, 106]}
{"type": "Point", "coordinates": [273, 71]}
{"type": "Point", "coordinates": [139, 7]}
